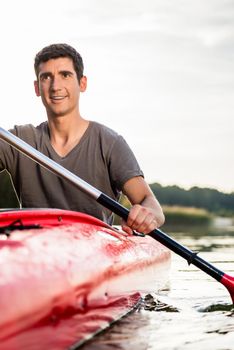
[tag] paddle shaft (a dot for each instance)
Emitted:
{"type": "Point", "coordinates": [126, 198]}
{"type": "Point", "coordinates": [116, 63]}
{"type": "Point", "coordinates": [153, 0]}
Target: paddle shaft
{"type": "Point", "coordinates": [111, 204]}
{"type": "Point", "coordinates": [163, 238]}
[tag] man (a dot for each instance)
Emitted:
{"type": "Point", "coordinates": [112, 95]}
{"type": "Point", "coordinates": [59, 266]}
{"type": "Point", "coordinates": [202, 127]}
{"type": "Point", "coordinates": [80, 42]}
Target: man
{"type": "Point", "coordinates": [90, 150]}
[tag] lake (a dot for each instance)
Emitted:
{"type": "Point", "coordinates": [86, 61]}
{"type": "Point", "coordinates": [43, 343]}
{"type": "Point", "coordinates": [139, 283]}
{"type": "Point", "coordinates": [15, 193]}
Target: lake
{"type": "Point", "coordinates": [193, 312]}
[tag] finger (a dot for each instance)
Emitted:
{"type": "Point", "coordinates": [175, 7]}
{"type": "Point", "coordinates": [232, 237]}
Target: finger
{"type": "Point", "coordinates": [148, 225]}
{"type": "Point", "coordinates": [127, 229]}
{"type": "Point", "coordinates": [151, 226]}
{"type": "Point", "coordinates": [137, 216]}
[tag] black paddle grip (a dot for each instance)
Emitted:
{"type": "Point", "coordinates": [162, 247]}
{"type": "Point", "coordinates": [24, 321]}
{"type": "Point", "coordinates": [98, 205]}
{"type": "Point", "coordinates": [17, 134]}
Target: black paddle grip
{"type": "Point", "coordinates": [187, 254]}
{"type": "Point", "coordinates": [114, 206]}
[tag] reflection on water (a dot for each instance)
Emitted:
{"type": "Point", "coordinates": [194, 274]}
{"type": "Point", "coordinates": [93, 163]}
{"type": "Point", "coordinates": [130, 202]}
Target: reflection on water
{"type": "Point", "coordinates": [152, 304]}
{"type": "Point", "coordinates": [218, 307]}
{"type": "Point", "coordinates": [201, 314]}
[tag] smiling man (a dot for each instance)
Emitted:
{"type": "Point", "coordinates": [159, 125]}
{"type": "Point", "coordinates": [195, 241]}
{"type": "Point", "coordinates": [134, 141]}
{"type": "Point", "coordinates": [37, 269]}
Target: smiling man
{"type": "Point", "coordinates": [90, 150]}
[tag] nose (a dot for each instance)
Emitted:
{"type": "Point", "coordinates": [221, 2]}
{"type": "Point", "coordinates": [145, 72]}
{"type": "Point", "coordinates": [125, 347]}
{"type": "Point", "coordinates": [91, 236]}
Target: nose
{"type": "Point", "coordinates": [55, 84]}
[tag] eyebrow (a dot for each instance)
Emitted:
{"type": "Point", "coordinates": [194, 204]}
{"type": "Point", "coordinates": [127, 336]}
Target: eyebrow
{"type": "Point", "coordinates": [61, 72]}
{"type": "Point", "coordinates": [66, 72]}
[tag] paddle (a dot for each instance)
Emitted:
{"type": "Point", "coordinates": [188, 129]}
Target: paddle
{"type": "Point", "coordinates": [190, 256]}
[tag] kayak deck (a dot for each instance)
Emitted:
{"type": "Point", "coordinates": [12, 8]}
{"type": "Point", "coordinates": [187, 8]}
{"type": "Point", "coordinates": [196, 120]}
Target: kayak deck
{"type": "Point", "coordinates": [65, 269]}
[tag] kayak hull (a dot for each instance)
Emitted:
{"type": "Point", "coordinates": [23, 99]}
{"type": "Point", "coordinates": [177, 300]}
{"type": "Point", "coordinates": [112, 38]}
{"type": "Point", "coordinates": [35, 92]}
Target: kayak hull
{"type": "Point", "coordinates": [61, 267]}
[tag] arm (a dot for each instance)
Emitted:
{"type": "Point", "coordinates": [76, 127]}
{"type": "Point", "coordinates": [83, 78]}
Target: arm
{"type": "Point", "coordinates": [146, 213]}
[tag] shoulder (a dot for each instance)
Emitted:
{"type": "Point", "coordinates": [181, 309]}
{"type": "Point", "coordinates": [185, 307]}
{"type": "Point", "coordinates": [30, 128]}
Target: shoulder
{"type": "Point", "coordinates": [29, 132]}
{"type": "Point", "coordinates": [106, 137]}
{"type": "Point", "coordinates": [28, 129]}
{"type": "Point", "coordinates": [103, 131]}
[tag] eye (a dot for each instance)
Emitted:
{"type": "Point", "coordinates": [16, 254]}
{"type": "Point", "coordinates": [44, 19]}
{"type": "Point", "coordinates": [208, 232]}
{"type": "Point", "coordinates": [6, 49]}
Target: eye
{"type": "Point", "coordinates": [45, 77]}
{"type": "Point", "coordinates": [66, 74]}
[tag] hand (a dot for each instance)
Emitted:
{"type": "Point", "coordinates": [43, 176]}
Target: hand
{"type": "Point", "coordinates": [142, 219]}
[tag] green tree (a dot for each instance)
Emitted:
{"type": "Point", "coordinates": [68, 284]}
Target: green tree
{"type": "Point", "coordinates": [206, 198]}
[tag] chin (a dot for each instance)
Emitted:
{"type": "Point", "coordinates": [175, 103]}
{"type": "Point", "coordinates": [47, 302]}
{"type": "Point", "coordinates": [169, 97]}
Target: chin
{"type": "Point", "coordinates": [57, 114]}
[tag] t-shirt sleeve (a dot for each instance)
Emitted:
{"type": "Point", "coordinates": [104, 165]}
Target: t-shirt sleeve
{"type": "Point", "coordinates": [122, 164]}
{"type": "Point", "coordinates": [8, 155]}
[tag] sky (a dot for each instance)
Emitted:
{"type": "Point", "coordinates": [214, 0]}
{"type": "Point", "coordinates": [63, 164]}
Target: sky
{"type": "Point", "coordinates": [160, 72]}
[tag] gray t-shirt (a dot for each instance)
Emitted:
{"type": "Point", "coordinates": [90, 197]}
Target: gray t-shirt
{"type": "Point", "coordinates": [102, 158]}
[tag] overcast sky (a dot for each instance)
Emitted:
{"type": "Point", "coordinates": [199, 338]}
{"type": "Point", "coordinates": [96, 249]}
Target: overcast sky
{"type": "Point", "coordinates": [159, 72]}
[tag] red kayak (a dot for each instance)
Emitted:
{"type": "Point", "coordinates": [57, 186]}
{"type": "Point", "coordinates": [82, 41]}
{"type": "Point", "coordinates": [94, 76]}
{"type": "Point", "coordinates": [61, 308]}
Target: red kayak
{"type": "Point", "coordinates": [65, 276]}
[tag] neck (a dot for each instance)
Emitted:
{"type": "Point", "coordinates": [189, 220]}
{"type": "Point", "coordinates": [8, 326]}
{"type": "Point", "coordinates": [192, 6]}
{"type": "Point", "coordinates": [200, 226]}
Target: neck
{"type": "Point", "coordinates": [66, 132]}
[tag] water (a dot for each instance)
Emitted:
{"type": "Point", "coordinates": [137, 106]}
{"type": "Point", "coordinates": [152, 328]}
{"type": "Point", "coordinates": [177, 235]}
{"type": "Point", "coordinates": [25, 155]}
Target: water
{"type": "Point", "coordinates": [193, 312]}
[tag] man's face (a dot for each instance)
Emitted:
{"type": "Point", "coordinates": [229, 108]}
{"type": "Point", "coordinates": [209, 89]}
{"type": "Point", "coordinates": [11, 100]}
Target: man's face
{"type": "Point", "coordinates": [58, 87]}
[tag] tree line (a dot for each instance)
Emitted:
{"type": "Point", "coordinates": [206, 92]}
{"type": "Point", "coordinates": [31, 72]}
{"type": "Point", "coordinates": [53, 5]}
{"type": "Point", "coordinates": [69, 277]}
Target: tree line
{"type": "Point", "coordinates": [207, 198]}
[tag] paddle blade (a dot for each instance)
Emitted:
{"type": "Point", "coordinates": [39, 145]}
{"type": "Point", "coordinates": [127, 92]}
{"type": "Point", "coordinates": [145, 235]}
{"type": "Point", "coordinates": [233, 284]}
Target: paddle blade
{"type": "Point", "coordinates": [228, 282]}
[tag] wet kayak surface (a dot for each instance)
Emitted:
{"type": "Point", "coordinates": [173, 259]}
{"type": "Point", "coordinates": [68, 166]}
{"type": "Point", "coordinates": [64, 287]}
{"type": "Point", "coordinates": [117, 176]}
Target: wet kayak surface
{"type": "Point", "coordinates": [194, 312]}
{"type": "Point", "coordinates": [65, 281]}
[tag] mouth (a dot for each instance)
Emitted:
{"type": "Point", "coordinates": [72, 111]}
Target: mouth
{"type": "Point", "coordinates": [57, 98]}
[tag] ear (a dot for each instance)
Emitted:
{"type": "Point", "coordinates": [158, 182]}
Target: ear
{"type": "Point", "coordinates": [83, 83]}
{"type": "Point", "coordinates": [36, 88]}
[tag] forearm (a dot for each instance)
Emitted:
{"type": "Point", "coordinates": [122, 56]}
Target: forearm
{"type": "Point", "coordinates": [146, 213]}
{"type": "Point", "coordinates": [151, 203]}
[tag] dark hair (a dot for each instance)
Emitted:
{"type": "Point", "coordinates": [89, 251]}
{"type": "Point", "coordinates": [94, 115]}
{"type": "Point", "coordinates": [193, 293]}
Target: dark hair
{"type": "Point", "coordinates": [60, 50]}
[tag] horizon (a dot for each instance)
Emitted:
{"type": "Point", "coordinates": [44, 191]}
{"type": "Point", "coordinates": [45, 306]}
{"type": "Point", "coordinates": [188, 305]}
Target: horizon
{"type": "Point", "coordinates": [190, 187]}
